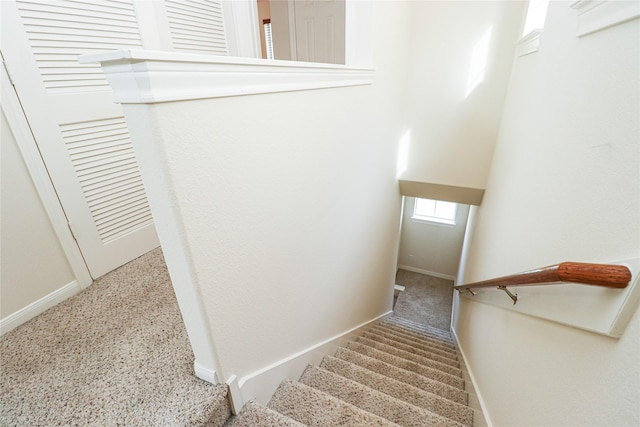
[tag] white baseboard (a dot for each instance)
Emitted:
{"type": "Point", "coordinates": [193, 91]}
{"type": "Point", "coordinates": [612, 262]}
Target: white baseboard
{"type": "Point", "coordinates": [427, 272]}
{"type": "Point", "coordinates": [204, 373]}
{"type": "Point", "coordinates": [38, 307]}
{"type": "Point", "coordinates": [235, 395]}
{"type": "Point", "coordinates": [483, 407]}
{"type": "Point", "coordinates": [261, 384]}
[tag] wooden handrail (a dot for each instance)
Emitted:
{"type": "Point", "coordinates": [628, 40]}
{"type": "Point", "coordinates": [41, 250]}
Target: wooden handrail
{"type": "Point", "coordinates": [608, 275]}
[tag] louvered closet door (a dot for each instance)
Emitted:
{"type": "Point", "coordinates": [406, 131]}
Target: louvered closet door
{"type": "Point", "coordinates": [196, 26]}
{"type": "Point", "coordinates": [80, 132]}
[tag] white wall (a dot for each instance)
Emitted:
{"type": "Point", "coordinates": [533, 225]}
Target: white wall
{"type": "Point", "coordinates": [564, 185]}
{"type": "Point", "coordinates": [452, 137]}
{"type": "Point", "coordinates": [33, 264]}
{"type": "Point", "coordinates": [288, 204]}
{"type": "Point", "coordinates": [435, 247]}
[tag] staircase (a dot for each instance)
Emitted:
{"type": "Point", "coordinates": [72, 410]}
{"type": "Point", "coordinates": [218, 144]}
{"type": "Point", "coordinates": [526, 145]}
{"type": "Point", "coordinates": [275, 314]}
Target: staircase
{"type": "Point", "coordinates": [397, 373]}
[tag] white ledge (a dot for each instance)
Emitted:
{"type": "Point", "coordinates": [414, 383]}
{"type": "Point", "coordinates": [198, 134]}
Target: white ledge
{"type": "Point", "coordinates": [529, 43]}
{"type": "Point", "coordinates": [596, 15]}
{"type": "Point", "coordinates": [144, 77]}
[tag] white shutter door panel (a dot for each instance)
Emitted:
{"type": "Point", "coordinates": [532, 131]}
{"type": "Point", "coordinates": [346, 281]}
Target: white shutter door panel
{"type": "Point", "coordinates": [60, 30]}
{"type": "Point", "coordinates": [80, 132]}
{"type": "Point", "coordinates": [103, 158]}
{"type": "Point", "coordinates": [197, 26]}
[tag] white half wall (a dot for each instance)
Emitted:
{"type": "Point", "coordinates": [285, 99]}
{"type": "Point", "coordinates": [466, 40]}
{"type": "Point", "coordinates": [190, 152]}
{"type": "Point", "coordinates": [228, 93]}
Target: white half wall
{"type": "Point", "coordinates": [279, 211]}
{"type": "Point", "coordinates": [563, 186]}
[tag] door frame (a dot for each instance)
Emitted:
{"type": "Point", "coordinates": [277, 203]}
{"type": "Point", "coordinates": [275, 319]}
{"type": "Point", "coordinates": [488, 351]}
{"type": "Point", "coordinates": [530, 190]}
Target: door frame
{"type": "Point", "coordinates": [19, 125]}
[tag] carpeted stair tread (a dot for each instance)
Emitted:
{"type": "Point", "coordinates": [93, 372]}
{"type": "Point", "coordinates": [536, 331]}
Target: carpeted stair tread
{"type": "Point", "coordinates": [370, 400]}
{"type": "Point", "coordinates": [420, 326]}
{"type": "Point", "coordinates": [419, 329]}
{"type": "Point", "coordinates": [425, 361]}
{"type": "Point", "coordinates": [416, 334]}
{"type": "Point", "coordinates": [413, 340]}
{"type": "Point", "coordinates": [433, 346]}
{"type": "Point", "coordinates": [400, 390]}
{"type": "Point", "coordinates": [408, 365]}
{"type": "Point", "coordinates": [219, 408]}
{"type": "Point", "coordinates": [436, 333]}
{"type": "Point", "coordinates": [413, 346]}
{"type": "Point", "coordinates": [446, 360]}
{"type": "Point", "coordinates": [457, 394]}
{"type": "Point", "coordinates": [426, 329]}
{"type": "Point", "coordinates": [253, 414]}
{"type": "Point", "coordinates": [432, 343]}
{"type": "Point", "coordinates": [316, 408]}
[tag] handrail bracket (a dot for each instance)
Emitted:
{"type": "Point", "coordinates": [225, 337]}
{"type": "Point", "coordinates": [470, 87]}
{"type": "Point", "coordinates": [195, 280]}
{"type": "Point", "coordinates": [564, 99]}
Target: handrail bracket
{"type": "Point", "coordinates": [466, 290]}
{"type": "Point", "coordinates": [514, 297]}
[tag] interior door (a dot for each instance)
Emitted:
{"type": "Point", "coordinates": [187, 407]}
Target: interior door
{"type": "Point", "coordinates": [319, 30]}
{"type": "Point", "coordinates": [80, 132]}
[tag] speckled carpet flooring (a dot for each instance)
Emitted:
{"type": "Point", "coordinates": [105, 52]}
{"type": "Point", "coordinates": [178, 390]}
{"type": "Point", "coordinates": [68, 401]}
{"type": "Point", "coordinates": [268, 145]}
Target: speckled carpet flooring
{"type": "Point", "coordinates": [116, 354]}
{"type": "Point", "coordinates": [426, 300]}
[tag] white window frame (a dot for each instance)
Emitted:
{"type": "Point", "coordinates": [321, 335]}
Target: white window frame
{"type": "Point", "coordinates": [432, 216]}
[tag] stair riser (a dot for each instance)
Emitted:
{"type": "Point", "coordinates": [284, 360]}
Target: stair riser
{"type": "Point", "coordinates": [418, 335]}
{"type": "Point", "coordinates": [371, 400]}
{"type": "Point", "coordinates": [418, 346]}
{"type": "Point", "coordinates": [253, 414]}
{"type": "Point", "coordinates": [408, 365]}
{"type": "Point", "coordinates": [424, 361]}
{"type": "Point", "coordinates": [400, 390]}
{"type": "Point", "coordinates": [314, 408]}
{"type": "Point", "coordinates": [428, 344]}
{"type": "Point", "coordinates": [445, 335]}
{"type": "Point", "coordinates": [427, 384]}
{"type": "Point", "coordinates": [447, 360]}
{"type": "Point", "coordinates": [418, 327]}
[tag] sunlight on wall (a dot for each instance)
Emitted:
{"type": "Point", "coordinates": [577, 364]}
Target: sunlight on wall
{"type": "Point", "coordinates": [403, 153]}
{"type": "Point", "coordinates": [478, 66]}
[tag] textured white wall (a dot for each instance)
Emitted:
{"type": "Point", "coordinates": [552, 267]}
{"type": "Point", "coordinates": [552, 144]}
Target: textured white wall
{"type": "Point", "coordinates": [33, 263]}
{"type": "Point", "coordinates": [564, 185]}
{"type": "Point", "coordinates": [288, 205]}
{"type": "Point", "coordinates": [434, 247]}
{"type": "Point", "coordinates": [452, 137]}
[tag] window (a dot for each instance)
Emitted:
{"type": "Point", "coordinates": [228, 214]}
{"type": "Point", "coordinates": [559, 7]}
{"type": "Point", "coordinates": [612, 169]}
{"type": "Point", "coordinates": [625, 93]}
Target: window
{"type": "Point", "coordinates": [533, 25]}
{"type": "Point", "coordinates": [268, 37]}
{"type": "Point", "coordinates": [536, 15]}
{"type": "Point", "coordinates": [435, 211]}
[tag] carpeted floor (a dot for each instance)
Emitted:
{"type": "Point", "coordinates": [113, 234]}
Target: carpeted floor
{"type": "Point", "coordinates": [115, 354]}
{"type": "Point", "coordinates": [426, 299]}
